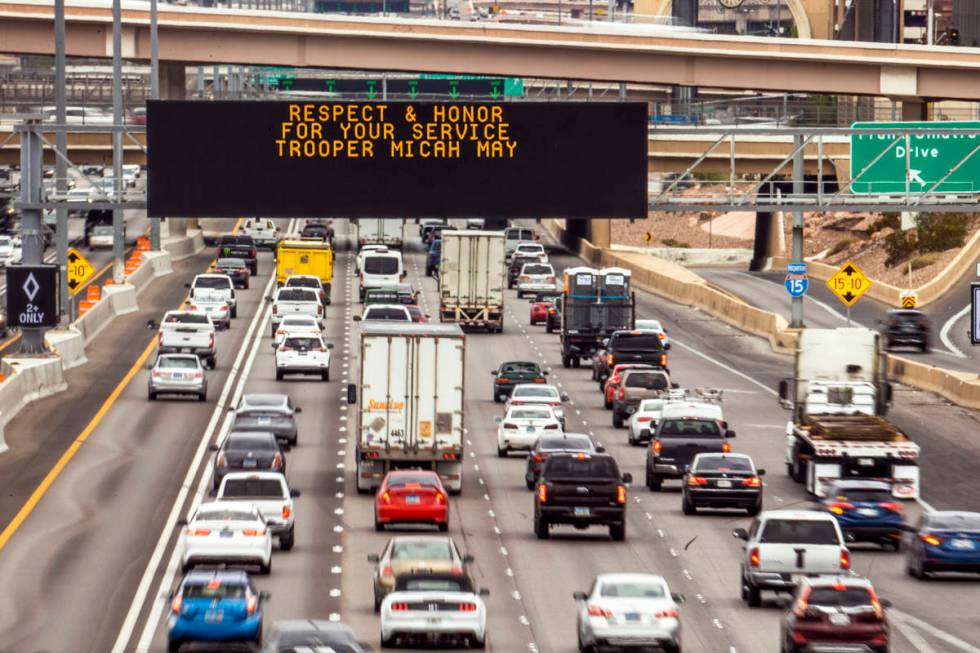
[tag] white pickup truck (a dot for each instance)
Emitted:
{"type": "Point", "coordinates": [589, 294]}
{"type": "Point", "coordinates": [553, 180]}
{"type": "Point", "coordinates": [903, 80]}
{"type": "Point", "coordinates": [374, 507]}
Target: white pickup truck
{"type": "Point", "coordinates": [216, 283]}
{"type": "Point", "coordinates": [295, 301]}
{"type": "Point", "coordinates": [783, 545]}
{"type": "Point", "coordinates": [270, 493]}
{"type": "Point", "coordinates": [189, 332]}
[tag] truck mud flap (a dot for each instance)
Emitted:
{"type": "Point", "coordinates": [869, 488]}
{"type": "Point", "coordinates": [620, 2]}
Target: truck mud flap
{"type": "Point", "coordinates": [451, 474]}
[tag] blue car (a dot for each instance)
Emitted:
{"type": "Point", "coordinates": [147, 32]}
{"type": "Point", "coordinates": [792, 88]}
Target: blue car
{"type": "Point", "coordinates": [945, 541]}
{"type": "Point", "coordinates": [866, 511]}
{"type": "Point", "coordinates": [215, 605]}
{"type": "Point", "coordinates": [432, 258]}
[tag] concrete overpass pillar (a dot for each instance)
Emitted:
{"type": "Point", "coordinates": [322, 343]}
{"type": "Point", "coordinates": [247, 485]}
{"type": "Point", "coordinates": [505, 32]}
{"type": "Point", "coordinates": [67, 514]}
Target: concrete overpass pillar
{"type": "Point", "coordinates": [600, 233]}
{"type": "Point", "coordinates": [761, 244]}
{"type": "Point", "coordinates": [915, 110]}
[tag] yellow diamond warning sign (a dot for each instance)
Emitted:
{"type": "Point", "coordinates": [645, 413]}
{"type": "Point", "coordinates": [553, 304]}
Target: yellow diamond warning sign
{"type": "Point", "coordinates": [849, 283]}
{"type": "Point", "coordinates": [79, 270]}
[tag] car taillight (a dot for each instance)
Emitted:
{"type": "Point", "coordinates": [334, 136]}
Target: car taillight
{"type": "Point", "coordinates": [622, 394]}
{"type": "Point", "coordinates": [386, 497]}
{"type": "Point", "coordinates": [157, 375]}
{"type": "Point", "coordinates": [276, 461]}
{"type": "Point", "coordinates": [524, 277]}
{"type": "Point", "coordinates": [440, 497]}
{"type": "Point", "coordinates": [509, 425]}
{"type": "Point", "coordinates": [542, 493]}
{"type": "Point", "coordinates": [400, 606]}
{"type": "Point", "coordinates": [386, 571]}
{"type": "Point", "coordinates": [894, 507]}
{"type": "Point", "coordinates": [621, 494]}
{"type": "Point", "coordinates": [539, 380]}
{"type": "Point", "coordinates": [643, 419]}
{"type": "Point", "coordinates": [754, 558]}
{"type": "Point", "coordinates": [160, 338]}
{"type": "Point", "coordinates": [662, 336]}
{"type": "Point", "coordinates": [840, 507]}
{"type": "Point", "coordinates": [467, 607]}
{"type": "Point", "coordinates": [725, 447]}
{"type": "Point", "coordinates": [222, 461]}
{"type": "Point", "coordinates": [537, 458]}
{"type": "Point", "coordinates": [656, 446]}
{"type": "Point", "coordinates": [254, 252]}
{"type": "Point", "coordinates": [503, 380]}
{"type": "Point", "coordinates": [275, 309]}
{"type": "Point", "coordinates": [551, 277]}
{"type": "Point", "coordinates": [197, 375]}
{"type": "Point", "coordinates": [242, 269]}
{"type": "Point", "coordinates": [286, 512]}
{"type": "Point", "coordinates": [845, 559]}
{"type": "Point", "coordinates": [551, 426]}
{"type": "Point", "coordinates": [752, 481]}
{"type": "Point", "coordinates": [199, 531]}
{"type": "Point", "coordinates": [696, 480]}
{"type": "Point", "coordinates": [281, 332]}
{"type": "Point", "coordinates": [663, 360]}
{"type": "Point", "coordinates": [599, 611]}
{"type": "Point", "coordinates": [669, 613]}
{"type": "Point", "coordinates": [285, 348]}
{"type": "Point", "coordinates": [319, 309]}
{"type": "Point", "coordinates": [320, 349]}
{"type": "Point", "coordinates": [609, 359]}
{"type": "Point", "coordinates": [176, 604]}
{"type": "Point", "coordinates": [253, 532]}
{"type": "Point", "coordinates": [552, 311]}
{"type": "Point", "coordinates": [931, 540]}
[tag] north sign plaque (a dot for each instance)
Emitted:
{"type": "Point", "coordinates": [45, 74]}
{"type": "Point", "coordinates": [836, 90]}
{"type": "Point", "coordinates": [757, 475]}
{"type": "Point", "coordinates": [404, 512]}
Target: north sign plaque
{"type": "Point", "coordinates": [397, 159]}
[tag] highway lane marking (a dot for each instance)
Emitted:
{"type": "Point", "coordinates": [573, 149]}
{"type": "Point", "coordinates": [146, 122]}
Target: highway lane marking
{"type": "Point", "coordinates": [944, 334]}
{"type": "Point", "coordinates": [917, 641]}
{"type": "Point", "coordinates": [728, 368]}
{"type": "Point", "coordinates": [69, 453]}
{"type": "Point", "coordinates": [830, 309]}
{"type": "Point", "coordinates": [934, 631]}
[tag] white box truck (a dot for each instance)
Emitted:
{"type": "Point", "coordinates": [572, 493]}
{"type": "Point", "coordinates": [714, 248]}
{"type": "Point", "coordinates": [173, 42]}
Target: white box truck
{"type": "Point", "coordinates": [410, 402]}
{"type": "Point", "coordinates": [380, 231]}
{"type": "Point", "coordinates": [839, 396]}
{"type": "Point", "coordinates": [472, 278]}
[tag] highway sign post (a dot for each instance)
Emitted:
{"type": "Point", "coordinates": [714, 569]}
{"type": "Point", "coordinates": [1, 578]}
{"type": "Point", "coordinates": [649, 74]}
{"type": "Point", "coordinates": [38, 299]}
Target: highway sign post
{"type": "Point", "coordinates": [797, 282]}
{"type": "Point", "coordinates": [885, 163]}
{"type": "Point", "coordinates": [79, 270]}
{"type": "Point", "coordinates": [849, 283]}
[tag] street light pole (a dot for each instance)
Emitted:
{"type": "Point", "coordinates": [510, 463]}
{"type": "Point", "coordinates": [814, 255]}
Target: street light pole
{"type": "Point", "coordinates": [154, 95]}
{"type": "Point", "coordinates": [60, 168]}
{"type": "Point", "coordinates": [118, 217]}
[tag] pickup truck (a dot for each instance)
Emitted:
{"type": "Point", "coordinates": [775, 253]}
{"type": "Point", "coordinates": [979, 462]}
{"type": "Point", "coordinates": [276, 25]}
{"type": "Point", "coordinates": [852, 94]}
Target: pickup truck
{"type": "Point", "coordinates": [633, 346]}
{"type": "Point", "coordinates": [635, 386]}
{"type": "Point", "coordinates": [784, 545]}
{"type": "Point", "coordinates": [242, 247]}
{"type": "Point", "coordinates": [263, 231]}
{"type": "Point", "coordinates": [220, 283]}
{"type": "Point", "coordinates": [187, 332]}
{"type": "Point", "coordinates": [684, 431]}
{"type": "Point", "coordinates": [295, 301]}
{"type": "Point", "coordinates": [270, 493]}
{"type": "Point", "coordinates": [581, 489]}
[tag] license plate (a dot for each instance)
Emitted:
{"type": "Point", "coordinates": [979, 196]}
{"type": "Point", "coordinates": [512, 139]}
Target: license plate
{"type": "Point", "coordinates": [226, 533]}
{"type": "Point", "coordinates": [412, 499]}
{"type": "Point", "coordinates": [632, 616]}
{"type": "Point", "coordinates": [265, 420]}
{"type": "Point", "coordinates": [840, 619]}
{"type": "Point", "coordinates": [530, 429]}
{"type": "Point", "coordinates": [866, 462]}
{"type": "Point", "coordinates": [963, 544]}
{"type": "Point", "coordinates": [581, 512]}
{"type": "Point", "coordinates": [214, 616]}
{"type": "Point", "coordinates": [177, 376]}
{"type": "Point", "coordinates": [435, 620]}
{"type": "Point", "coordinates": [250, 462]}
{"type": "Point", "coordinates": [867, 512]}
{"type": "Point", "coordinates": [724, 483]}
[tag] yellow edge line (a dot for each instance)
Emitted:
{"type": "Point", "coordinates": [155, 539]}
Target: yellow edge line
{"type": "Point", "coordinates": [66, 457]}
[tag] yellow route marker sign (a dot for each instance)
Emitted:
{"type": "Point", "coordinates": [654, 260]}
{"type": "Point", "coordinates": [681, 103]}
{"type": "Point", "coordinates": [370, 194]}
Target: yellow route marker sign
{"type": "Point", "coordinates": [849, 283]}
{"type": "Point", "coordinates": [79, 270]}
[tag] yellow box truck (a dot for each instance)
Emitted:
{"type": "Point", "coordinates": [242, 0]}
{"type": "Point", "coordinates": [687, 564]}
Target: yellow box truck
{"type": "Point", "coordinates": [310, 257]}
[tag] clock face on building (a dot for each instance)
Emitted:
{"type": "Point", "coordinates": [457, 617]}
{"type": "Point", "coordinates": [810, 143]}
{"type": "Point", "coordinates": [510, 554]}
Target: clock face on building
{"type": "Point", "coordinates": [731, 4]}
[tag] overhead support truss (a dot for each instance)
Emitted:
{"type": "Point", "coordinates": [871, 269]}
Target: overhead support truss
{"type": "Point", "coordinates": [887, 169]}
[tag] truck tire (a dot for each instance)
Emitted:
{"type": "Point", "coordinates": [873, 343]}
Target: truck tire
{"type": "Point", "coordinates": [605, 401]}
{"type": "Point", "coordinates": [501, 453]}
{"type": "Point", "coordinates": [325, 375]}
{"type": "Point", "coordinates": [541, 528]}
{"type": "Point", "coordinates": [797, 469]}
{"type": "Point", "coordinates": [576, 361]}
{"type": "Point", "coordinates": [279, 374]}
{"type": "Point", "coordinates": [212, 362]}
{"type": "Point", "coordinates": [234, 313]}
{"type": "Point", "coordinates": [617, 531]}
{"type": "Point", "coordinates": [617, 421]}
{"type": "Point", "coordinates": [566, 361]}
{"type": "Point", "coordinates": [751, 594]}
{"type": "Point", "coordinates": [654, 484]}
{"type": "Point", "coordinates": [287, 540]}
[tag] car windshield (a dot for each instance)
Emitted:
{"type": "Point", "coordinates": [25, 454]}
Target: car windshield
{"type": "Point", "coordinates": [302, 282]}
{"type": "Point", "coordinates": [520, 368]}
{"type": "Point", "coordinates": [799, 531]}
{"type": "Point", "coordinates": [246, 488]}
{"type": "Point", "coordinates": [386, 313]}
{"type": "Point", "coordinates": [303, 343]}
{"type": "Point", "coordinates": [570, 443]}
{"type": "Point", "coordinates": [421, 550]}
{"type": "Point", "coordinates": [315, 641]}
{"type": "Point", "coordinates": [186, 318]}
{"type": "Point", "coordinates": [212, 282]}
{"type": "Point", "coordinates": [652, 405]}
{"type": "Point", "coordinates": [537, 269]}
{"type": "Point", "coordinates": [381, 265]}
{"type": "Point", "coordinates": [272, 412]}
{"type": "Point", "coordinates": [723, 464]}
{"type": "Point", "coordinates": [414, 584]}
{"type": "Point", "coordinates": [964, 521]}
{"type": "Point", "coordinates": [396, 480]}
{"type": "Point", "coordinates": [535, 391]}
{"type": "Point", "coordinates": [690, 428]}
{"type": "Point", "coordinates": [250, 443]}
{"type": "Point", "coordinates": [530, 248]}
{"type": "Point", "coordinates": [530, 413]}
{"type": "Point", "coordinates": [181, 363]}
{"type": "Point", "coordinates": [641, 342]}
{"type": "Point", "coordinates": [215, 590]}
{"type": "Point", "coordinates": [224, 515]}
{"type": "Point", "coordinates": [586, 467]}
{"type": "Point", "coordinates": [298, 320]}
{"type": "Point", "coordinates": [633, 590]}
{"type": "Point", "coordinates": [264, 400]}
{"type": "Point", "coordinates": [646, 381]}
{"type": "Point", "coordinates": [231, 263]}
{"type": "Point", "coordinates": [856, 494]}
{"type": "Point", "coordinates": [850, 597]}
{"type": "Point", "coordinates": [296, 295]}
{"type": "Point", "coordinates": [102, 231]}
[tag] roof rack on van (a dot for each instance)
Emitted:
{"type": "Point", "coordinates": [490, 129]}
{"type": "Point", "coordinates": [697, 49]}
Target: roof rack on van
{"type": "Point", "coordinates": [702, 395]}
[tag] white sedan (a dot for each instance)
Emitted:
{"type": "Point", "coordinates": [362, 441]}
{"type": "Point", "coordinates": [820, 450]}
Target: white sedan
{"type": "Point", "coordinates": [521, 427]}
{"type": "Point", "coordinates": [644, 421]}
{"type": "Point", "coordinates": [655, 325]}
{"type": "Point", "coordinates": [539, 393]}
{"type": "Point", "coordinates": [229, 532]}
{"type": "Point", "coordinates": [630, 610]}
{"type": "Point", "coordinates": [297, 325]}
{"type": "Point", "coordinates": [434, 606]}
{"type": "Point", "coordinates": [303, 355]}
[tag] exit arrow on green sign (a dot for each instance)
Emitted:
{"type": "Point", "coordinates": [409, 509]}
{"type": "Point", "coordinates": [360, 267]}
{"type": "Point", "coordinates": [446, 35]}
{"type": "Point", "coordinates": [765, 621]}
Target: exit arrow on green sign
{"type": "Point", "coordinates": [930, 158]}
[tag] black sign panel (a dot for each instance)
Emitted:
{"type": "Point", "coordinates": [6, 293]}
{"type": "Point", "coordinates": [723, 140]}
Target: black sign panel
{"type": "Point", "coordinates": [492, 87]}
{"type": "Point", "coordinates": [32, 296]}
{"type": "Point", "coordinates": [397, 159]}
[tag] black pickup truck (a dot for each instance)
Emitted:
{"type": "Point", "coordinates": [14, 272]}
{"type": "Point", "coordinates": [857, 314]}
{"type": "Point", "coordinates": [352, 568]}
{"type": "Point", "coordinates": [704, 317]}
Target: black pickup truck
{"type": "Point", "coordinates": [678, 439]}
{"type": "Point", "coordinates": [629, 346]}
{"type": "Point", "coordinates": [242, 247]}
{"type": "Point", "coordinates": [582, 490]}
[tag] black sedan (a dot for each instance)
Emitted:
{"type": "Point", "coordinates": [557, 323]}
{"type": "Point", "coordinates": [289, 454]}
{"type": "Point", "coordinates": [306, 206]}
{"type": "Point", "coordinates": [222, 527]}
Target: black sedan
{"type": "Point", "coordinates": [247, 451]}
{"type": "Point", "coordinates": [722, 480]}
{"type": "Point", "coordinates": [552, 444]}
{"type": "Point", "coordinates": [271, 413]}
{"type": "Point", "coordinates": [513, 373]}
{"type": "Point", "coordinates": [907, 328]}
{"type": "Point", "coordinates": [236, 268]}
{"type": "Point", "coordinates": [312, 635]}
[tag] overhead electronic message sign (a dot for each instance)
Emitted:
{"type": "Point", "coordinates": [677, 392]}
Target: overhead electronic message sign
{"type": "Point", "coordinates": [397, 159]}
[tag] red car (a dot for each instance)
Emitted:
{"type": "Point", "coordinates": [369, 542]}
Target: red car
{"type": "Point", "coordinates": [835, 613]}
{"type": "Point", "coordinates": [539, 312]}
{"type": "Point", "coordinates": [411, 497]}
{"type": "Point", "coordinates": [612, 383]}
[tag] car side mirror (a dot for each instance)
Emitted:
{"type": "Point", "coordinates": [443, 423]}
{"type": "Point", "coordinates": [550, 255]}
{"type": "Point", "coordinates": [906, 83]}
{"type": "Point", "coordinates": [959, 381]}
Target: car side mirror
{"type": "Point", "coordinates": [298, 409]}
{"type": "Point", "coordinates": [600, 449]}
{"type": "Point", "coordinates": [268, 298]}
{"type": "Point", "coordinates": [667, 346]}
{"type": "Point", "coordinates": [265, 596]}
{"type": "Point", "coordinates": [729, 433]}
{"type": "Point", "coordinates": [760, 472]}
{"type": "Point", "coordinates": [357, 318]}
{"type": "Point", "coordinates": [674, 385]}
{"type": "Point", "coordinates": [149, 366]}
{"type": "Point", "coordinates": [484, 591]}
{"type": "Point", "coordinates": [627, 478]}
{"type": "Point", "coordinates": [293, 492]}
{"type": "Point", "coordinates": [187, 285]}
{"type": "Point", "coordinates": [580, 596]}
{"type": "Point", "coordinates": [374, 557]}
{"type": "Point", "coordinates": [564, 396]}
{"type": "Point", "coordinates": [152, 324]}
{"type": "Point", "coordinates": [493, 372]}
{"type": "Point", "coordinates": [214, 447]}
{"type": "Point", "coordinates": [740, 534]}
{"type": "Point", "coordinates": [468, 558]}
{"type": "Point", "coordinates": [784, 390]}
{"type": "Point", "coordinates": [329, 345]}
{"type": "Point", "coordinates": [678, 597]}
{"type": "Point", "coordinates": [351, 393]}
{"type": "Point", "coordinates": [545, 372]}
{"type": "Point", "coordinates": [274, 345]}
{"type": "Point", "coordinates": [885, 603]}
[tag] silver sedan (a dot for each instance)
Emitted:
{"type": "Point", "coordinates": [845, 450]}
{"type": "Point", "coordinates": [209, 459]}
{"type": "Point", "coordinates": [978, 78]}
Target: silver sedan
{"type": "Point", "coordinates": [178, 374]}
{"type": "Point", "coordinates": [629, 611]}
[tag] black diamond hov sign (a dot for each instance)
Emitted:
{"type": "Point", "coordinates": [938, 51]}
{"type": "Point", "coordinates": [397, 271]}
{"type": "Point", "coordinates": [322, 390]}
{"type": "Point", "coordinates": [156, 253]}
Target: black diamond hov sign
{"type": "Point", "coordinates": [32, 296]}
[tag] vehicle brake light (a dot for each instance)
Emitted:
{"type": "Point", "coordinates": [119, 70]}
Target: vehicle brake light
{"type": "Point", "coordinates": [450, 456]}
{"type": "Point", "coordinates": [467, 607]}
{"type": "Point", "coordinates": [503, 380]}
{"type": "Point", "coordinates": [440, 497]}
{"type": "Point", "coordinates": [157, 375]}
{"type": "Point", "coordinates": [319, 309]}
{"type": "Point", "coordinates": [386, 571]}
{"type": "Point", "coordinates": [198, 531]}
{"type": "Point", "coordinates": [622, 394]}
{"type": "Point", "coordinates": [894, 507]}
{"type": "Point", "coordinates": [286, 512]}
{"type": "Point", "coordinates": [253, 532]}
{"type": "Point", "coordinates": [621, 494]}
{"type": "Point", "coordinates": [845, 559]}
{"type": "Point", "coordinates": [599, 611]}
{"type": "Point", "coordinates": [551, 277]}
{"type": "Point", "coordinates": [537, 458]}
{"type": "Point", "coordinates": [386, 496]}
{"type": "Point", "coordinates": [669, 613]}
{"type": "Point", "coordinates": [662, 336]}
{"type": "Point", "coordinates": [542, 493]}
{"type": "Point", "coordinates": [275, 309]}
{"type": "Point", "coordinates": [222, 461]}
{"type": "Point", "coordinates": [524, 277]}
{"type": "Point", "coordinates": [609, 359]}
{"type": "Point", "coordinates": [176, 604]}
{"type": "Point", "coordinates": [657, 446]}
{"type": "Point", "coordinates": [643, 419]}
{"type": "Point", "coordinates": [725, 447]}
{"type": "Point", "coordinates": [931, 540]}
{"type": "Point", "coordinates": [197, 375]}
{"type": "Point", "coordinates": [276, 461]}
{"type": "Point", "coordinates": [754, 558]}
{"type": "Point", "coordinates": [370, 455]}
{"type": "Point", "coordinates": [254, 252]}
{"type": "Point", "coordinates": [840, 507]}
{"type": "Point", "coordinates": [539, 380]}
{"type": "Point", "coordinates": [509, 425]}
{"type": "Point", "coordinates": [752, 481]}
{"type": "Point", "coordinates": [400, 606]}
{"type": "Point", "coordinates": [696, 480]}
{"type": "Point", "coordinates": [663, 360]}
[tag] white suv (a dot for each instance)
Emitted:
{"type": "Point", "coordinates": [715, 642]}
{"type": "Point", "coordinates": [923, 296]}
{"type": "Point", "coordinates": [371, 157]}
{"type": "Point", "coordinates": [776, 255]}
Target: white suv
{"type": "Point", "coordinates": [263, 231]}
{"type": "Point", "coordinates": [270, 493]}
{"type": "Point", "coordinates": [217, 285]}
{"type": "Point", "coordinates": [303, 354]}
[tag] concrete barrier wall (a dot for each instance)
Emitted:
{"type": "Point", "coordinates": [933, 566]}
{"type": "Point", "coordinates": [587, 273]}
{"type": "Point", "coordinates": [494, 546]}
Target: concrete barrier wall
{"type": "Point", "coordinates": [961, 388]}
{"type": "Point", "coordinates": [185, 246]}
{"type": "Point", "coordinates": [27, 380]}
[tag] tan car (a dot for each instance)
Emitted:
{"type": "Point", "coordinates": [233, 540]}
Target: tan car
{"type": "Point", "coordinates": [414, 553]}
{"type": "Point", "coordinates": [636, 385]}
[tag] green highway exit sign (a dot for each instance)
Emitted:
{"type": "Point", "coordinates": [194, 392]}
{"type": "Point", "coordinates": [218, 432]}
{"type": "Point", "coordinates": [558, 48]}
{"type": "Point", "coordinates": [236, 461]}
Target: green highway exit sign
{"type": "Point", "coordinates": [930, 157]}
